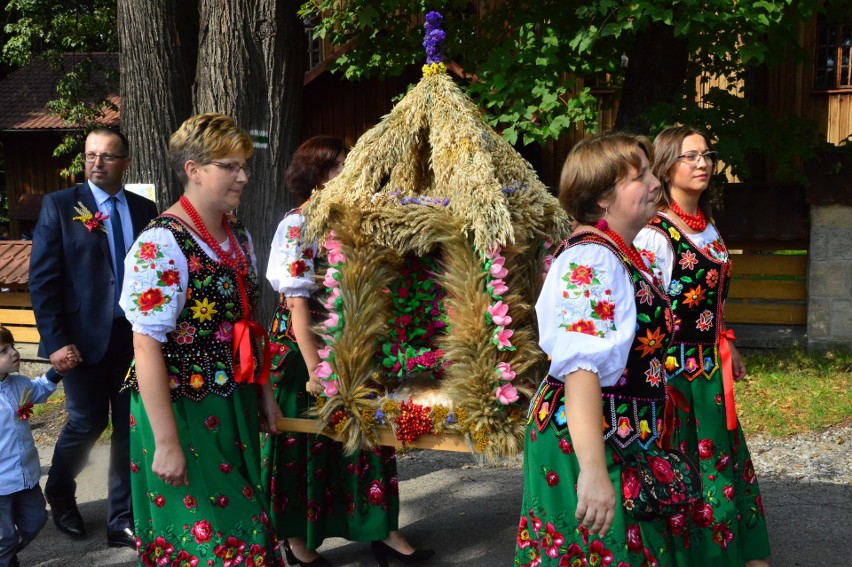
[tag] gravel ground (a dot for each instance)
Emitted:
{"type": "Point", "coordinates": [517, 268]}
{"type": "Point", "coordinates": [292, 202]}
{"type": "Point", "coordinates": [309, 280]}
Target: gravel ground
{"type": "Point", "coordinates": [824, 457]}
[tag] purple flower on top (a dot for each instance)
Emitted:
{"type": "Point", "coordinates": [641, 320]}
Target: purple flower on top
{"type": "Point", "coordinates": [434, 37]}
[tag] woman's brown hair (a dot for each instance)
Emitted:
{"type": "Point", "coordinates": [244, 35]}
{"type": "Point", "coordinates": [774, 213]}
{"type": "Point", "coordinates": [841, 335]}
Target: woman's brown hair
{"type": "Point", "coordinates": [593, 168]}
{"type": "Point", "coordinates": [667, 149]}
{"type": "Point", "coordinates": [311, 164]}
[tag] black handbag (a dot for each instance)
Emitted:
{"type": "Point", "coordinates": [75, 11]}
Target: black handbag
{"type": "Point", "coordinates": [657, 483]}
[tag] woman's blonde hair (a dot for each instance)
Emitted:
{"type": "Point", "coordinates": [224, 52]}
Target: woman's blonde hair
{"type": "Point", "coordinates": [205, 137]}
{"type": "Point", "coordinates": [594, 167]}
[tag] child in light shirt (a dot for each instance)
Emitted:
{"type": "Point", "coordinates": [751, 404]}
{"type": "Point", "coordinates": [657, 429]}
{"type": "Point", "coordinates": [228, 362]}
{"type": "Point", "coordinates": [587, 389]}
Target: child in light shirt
{"type": "Point", "coordinates": [22, 506]}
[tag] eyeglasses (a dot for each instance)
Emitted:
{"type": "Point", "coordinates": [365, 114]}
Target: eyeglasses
{"type": "Point", "coordinates": [91, 157]}
{"type": "Point", "coordinates": [234, 168]}
{"type": "Point", "coordinates": [692, 157]}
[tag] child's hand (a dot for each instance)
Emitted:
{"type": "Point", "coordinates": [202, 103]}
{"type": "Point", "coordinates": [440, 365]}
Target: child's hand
{"type": "Point", "coordinates": [73, 358]}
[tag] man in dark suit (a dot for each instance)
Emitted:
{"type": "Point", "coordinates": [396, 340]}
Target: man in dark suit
{"type": "Point", "coordinates": [79, 244]}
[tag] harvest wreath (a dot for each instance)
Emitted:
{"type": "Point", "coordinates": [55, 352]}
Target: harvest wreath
{"type": "Point", "coordinates": [437, 234]}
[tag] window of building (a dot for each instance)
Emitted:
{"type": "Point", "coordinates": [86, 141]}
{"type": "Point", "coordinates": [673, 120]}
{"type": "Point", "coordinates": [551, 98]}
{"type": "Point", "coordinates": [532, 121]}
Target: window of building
{"type": "Point", "coordinates": [833, 45]}
{"type": "Point", "coordinates": [314, 43]}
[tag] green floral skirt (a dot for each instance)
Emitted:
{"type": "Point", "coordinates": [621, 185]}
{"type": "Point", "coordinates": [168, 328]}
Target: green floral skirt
{"type": "Point", "coordinates": [316, 491]}
{"type": "Point", "coordinates": [220, 518]}
{"type": "Point", "coordinates": [550, 536]}
{"type": "Point", "coordinates": [728, 527]}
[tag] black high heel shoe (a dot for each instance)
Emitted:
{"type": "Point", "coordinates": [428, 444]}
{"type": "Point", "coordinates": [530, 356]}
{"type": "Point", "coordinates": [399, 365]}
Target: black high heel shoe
{"type": "Point", "coordinates": [382, 551]}
{"type": "Point", "coordinates": [294, 562]}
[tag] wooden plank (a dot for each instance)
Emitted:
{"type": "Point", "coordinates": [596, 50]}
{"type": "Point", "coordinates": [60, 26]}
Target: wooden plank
{"type": "Point", "coordinates": [768, 289]}
{"type": "Point", "coordinates": [15, 299]}
{"type": "Point", "coordinates": [766, 313]}
{"type": "Point", "coordinates": [443, 442]}
{"type": "Point", "coordinates": [17, 317]}
{"type": "Point", "coordinates": [769, 265]}
{"type": "Point", "coordinates": [25, 334]}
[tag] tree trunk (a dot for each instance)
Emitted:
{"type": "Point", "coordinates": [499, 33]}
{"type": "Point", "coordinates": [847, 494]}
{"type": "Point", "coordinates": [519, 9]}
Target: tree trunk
{"type": "Point", "coordinates": [155, 86]}
{"type": "Point", "coordinates": [253, 56]}
{"type": "Point", "coordinates": [655, 75]}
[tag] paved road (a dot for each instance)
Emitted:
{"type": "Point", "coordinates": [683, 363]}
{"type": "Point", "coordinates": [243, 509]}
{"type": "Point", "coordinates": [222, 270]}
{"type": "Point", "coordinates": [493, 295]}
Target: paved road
{"type": "Point", "coordinates": [469, 515]}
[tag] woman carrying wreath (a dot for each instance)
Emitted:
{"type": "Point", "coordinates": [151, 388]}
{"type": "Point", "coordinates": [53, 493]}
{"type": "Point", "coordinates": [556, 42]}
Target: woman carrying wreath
{"type": "Point", "coordinates": [690, 259]}
{"type": "Point", "coordinates": [199, 393]}
{"type": "Point", "coordinates": [316, 491]}
{"type": "Point", "coordinates": [604, 325]}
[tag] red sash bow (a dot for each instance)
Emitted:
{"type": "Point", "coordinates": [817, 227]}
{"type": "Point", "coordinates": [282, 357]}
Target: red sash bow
{"type": "Point", "coordinates": [245, 331]}
{"type": "Point", "coordinates": [728, 377]}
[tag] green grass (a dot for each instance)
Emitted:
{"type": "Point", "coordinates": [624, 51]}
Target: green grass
{"type": "Point", "coordinates": [790, 392]}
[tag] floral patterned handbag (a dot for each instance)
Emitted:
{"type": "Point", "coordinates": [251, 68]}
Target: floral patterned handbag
{"type": "Point", "coordinates": [656, 483]}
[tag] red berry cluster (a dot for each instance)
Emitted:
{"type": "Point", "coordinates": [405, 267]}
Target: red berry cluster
{"type": "Point", "coordinates": [413, 421]}
{"type": "Point", "coordinates": [338, 417]}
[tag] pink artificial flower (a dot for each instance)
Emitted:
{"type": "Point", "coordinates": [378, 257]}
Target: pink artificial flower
{"type": "Point", "coordinates": [323, 370]}
{"type": "Point", "coordinates": [324, 352]}
{"type": "Point", "coordinates": [494, 252]}
{"type": "Point", "coordinates": [332, 322]}
{"type": "Point", "coordinates": [329, 280]}
{"type": "Point", "coordinates": [502, 336]}
{"type": "Point", "coordinates": [498, 287]}
{"type": "Point", "coordinates": [506, 394]}
{"type": "Point", "coordinates": [548, 243]}
{"type": "Point", "coordinates": [330, 388]}
{"type": "Point", "coordinates": [506, 372]}
{"type": "Point", "coordinates": [499, 314]}
{"type": "Point", "coordinates": [336, 257]}
{"type": "Point", "coordinates": [497, 269]}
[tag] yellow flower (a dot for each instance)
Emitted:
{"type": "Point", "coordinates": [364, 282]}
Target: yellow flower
{"type": "Point", "coordinates": [675, 234]}
{"type": "Point", "coordinates": [203, 311]}
{"type": "Point", "coordinates": [434, 69]}
{"type": "Point", "coordinates": [671, 363]}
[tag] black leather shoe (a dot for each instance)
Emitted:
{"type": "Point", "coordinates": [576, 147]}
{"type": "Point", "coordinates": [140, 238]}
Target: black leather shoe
{"type": "Point", "coordinates": [121, 538]}
{"type": "Point", "coordinates": [382, 552]}
{"type": "Point", "coordinates": [67, 517]}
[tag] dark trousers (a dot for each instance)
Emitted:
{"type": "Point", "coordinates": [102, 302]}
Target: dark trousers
{"type": "Point", "coordinates": [22, 515]}
{"type": "Point", "coordinates": [91, 392]}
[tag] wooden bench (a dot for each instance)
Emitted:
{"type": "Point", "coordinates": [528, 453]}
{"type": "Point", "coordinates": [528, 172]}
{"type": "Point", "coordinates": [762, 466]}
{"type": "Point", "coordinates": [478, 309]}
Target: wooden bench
{"type": "Point", "coordinates": [768, 288]}
{"type": "Point", "coordinates": [16, 314]}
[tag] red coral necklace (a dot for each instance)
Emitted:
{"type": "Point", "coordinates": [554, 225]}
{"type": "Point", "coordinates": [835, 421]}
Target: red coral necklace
{"type": "Point", "coordinates": [234, 259]}
{"type": "Point", "coordinates": [695, 222]}
{"type": "Point", "coordinates": [629, 251]}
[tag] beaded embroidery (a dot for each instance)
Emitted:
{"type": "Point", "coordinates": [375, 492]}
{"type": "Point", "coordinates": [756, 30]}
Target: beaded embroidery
{"type": "Point", "coordinates": [199, 356]}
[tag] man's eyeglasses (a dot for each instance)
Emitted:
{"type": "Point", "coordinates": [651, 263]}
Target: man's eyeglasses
{"type": "Point", "coordinates": [234, 168]}
{"type": "Point", "coordinates": [692, 157]}
{"type": "Point", "coordinates": [91, 157]}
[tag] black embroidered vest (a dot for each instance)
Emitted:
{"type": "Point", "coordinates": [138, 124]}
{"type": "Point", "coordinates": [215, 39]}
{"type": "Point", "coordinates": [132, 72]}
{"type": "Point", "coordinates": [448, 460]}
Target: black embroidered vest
{"type": "Point", "coordinates": [698, 288]}
{"type": "Point", "coordinates": [199, 352]}
{"type": "Point", "coordinates": [633, 408]}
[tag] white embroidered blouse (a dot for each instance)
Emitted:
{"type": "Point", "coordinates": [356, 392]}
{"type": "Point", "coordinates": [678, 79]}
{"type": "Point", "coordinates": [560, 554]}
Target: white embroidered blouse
{"type": "Point", "coordinates": [587, 313]}
{"type": "Point", "coordinates": [291, 261]}
{"type": "Point", "coordinates": [156, 275]}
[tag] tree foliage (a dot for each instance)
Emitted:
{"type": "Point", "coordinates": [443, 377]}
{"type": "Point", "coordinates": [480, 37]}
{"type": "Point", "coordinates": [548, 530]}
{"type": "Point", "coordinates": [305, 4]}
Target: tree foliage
{"type": "Point", "coordinates": [532, 65]}
{"type": "Point", "coordinates": [50, 30]}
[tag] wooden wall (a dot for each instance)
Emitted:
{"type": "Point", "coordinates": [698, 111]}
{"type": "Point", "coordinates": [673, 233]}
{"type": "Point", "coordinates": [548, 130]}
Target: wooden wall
{"type": "Point", "coordinates": [31, 169]}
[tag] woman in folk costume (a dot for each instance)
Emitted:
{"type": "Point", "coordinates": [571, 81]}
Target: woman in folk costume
{"type": "Point", "coordinates": [200, 396]}
{"type": "Point", "coordinates": [690, 259]}
{"type": "Point", "coordinates": [318, 492]}
{"type": "Point", "coordinates": [604, 325]}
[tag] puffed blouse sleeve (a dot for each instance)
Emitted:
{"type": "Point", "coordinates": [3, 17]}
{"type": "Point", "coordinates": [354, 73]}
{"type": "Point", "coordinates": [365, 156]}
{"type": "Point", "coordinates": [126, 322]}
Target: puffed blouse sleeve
{"type": "Point", "coordinates": [658, 254]}
{"type": "Point", "coordinates": [155, 283]}
{"type": "Point", "coordinates": [587, 313]}
{"type": "Point", "coordinates": [291, 260]}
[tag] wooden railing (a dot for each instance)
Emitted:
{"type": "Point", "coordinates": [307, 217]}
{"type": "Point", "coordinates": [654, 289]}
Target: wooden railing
{"type": "Point", "coordinates": [16, 314]}
{"type": "Point", "coordinates": [768, 288]}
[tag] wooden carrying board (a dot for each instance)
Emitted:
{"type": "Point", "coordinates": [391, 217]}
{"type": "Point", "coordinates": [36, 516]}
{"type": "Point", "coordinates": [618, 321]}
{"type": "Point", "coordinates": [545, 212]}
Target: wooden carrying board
{"type": "Point", "coordinates": [442, 442]}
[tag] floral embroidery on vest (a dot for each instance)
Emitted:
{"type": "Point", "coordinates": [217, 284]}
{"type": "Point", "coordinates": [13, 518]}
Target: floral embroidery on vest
{"type": "Point", "coordinates": [634, 407]}
{"type": "Point", "coordinates": [699, 285]}
{"type": "Point", "coordinates": [199, 356]}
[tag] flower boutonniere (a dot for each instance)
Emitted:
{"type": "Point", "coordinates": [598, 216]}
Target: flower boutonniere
{"type": "Point", "coordinates": [25, 405]}
{"type": "Point", "coordinates": [91, 221]}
